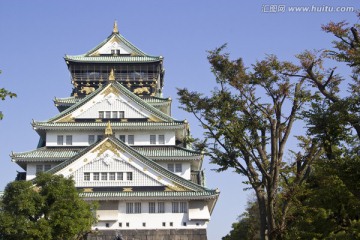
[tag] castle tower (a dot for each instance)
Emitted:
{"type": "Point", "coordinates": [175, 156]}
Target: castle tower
{"type": "Point", "coordinates": [115, 136]}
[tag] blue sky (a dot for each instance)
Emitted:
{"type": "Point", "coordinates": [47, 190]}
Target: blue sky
{"type": "Point", "coordinates": [35, 36]}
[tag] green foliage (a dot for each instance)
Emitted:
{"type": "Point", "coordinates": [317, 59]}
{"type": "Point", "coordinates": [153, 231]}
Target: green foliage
{"type": "Point", "coordinates": [247, 226]}
{"type": "Point", "coordinates": [3, 94]}
{"type": "Point", "coordinates": [47, 208]}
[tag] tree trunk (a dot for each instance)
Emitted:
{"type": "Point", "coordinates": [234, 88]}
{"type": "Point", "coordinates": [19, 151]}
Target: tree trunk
{"type": "Point", "coordinates": [261, 199]}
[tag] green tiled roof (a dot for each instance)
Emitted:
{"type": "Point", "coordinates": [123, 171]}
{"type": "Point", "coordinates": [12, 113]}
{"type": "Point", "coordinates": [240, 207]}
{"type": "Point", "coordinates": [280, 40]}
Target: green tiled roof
{"type": "Point", "coordinates": [67, 101]}
{"type": "Point", "coordinates": [113, 59]}
{"type": "Point", "coordinates": [123, 90]}
{"type": "Point", "coordinates": [197, 194]}
{"type": "Point", "coordinates": [57, 153]}
{"type": "Point", "coordinates": [114, 125]}
{"type": "Point", "coordinates": [166, 151]}
{"type": "Point", "coordinates": [47, 152]}
{"type": "Point", "coordinates": [139, 57]}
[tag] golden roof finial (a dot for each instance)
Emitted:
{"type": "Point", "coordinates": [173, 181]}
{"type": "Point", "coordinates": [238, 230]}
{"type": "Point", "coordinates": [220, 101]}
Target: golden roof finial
{"type": "Point", "coordinates": [108, 130]}
{"type": "Point", "coordinates": [112, 75]}
{"type": "Point", "coordinates": [115, 29]}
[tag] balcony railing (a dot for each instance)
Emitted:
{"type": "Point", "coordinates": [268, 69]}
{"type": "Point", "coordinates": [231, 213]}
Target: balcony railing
{"type": "Point", "coordinates": [132, 76]}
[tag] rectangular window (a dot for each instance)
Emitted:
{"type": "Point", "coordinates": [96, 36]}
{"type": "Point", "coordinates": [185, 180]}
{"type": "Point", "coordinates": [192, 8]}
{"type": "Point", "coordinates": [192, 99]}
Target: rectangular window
{"type": "Point", "coordinates": [151, 207]}
{"type": "Point", "coordinates": [129, 176]}
{"type": "Point", "coordinates": [114, 114]}
{"type": "Point", "coordinates": [175, 207]}
{"type": "Point", "coordinates": [60, 139]}
{"type": "Point", "coordinates": [161, 139]}
{"type": "Point", "coordinates": [152, 139]}
{"type": "Point", "coordinates": [47, 167]}
{"type": "Point", "coordinates": [104, 176]}
{"type": "Point", "coordinates": [178, 167]}
{"type": "Point", "coordinates": [68, 139]}
{"type": "Point", "coordinates": [39, 168]}
{"type": "Point", "coordinates": [164, 224]}
{"type": "Point", "coordinates": [131, 139]}
{"type": "Point", "coordinates": [128, 224]}
{"type": "Point", "coordinates": [87, 176]}
{"type": "Point", "coordinates": [101, 114]}
{"type": "Point", "coordinates": [161, 207]}
{"type": "Point", "coordinates": [96, 176]}
{"type": "Point", "coordinates": [99, 137]}
{"type": "Point", "coordinates": [112, 176]}
{"type": "Point", "coordinates": [122, 138]}
{"type": "Point", "coordinates": [183, 207]}
{"type": "Point", "coordinates": [120, 224]}
{"type": "Point", "coordinates": [91, 139]}
{"type": "Point", "coordinates": [137, 207]}
{"type": "Point", "coordinates": [129, 208]}
{"type": "Point", "coordinates": [119, 176]}
{"type": "Point", "coordinates": [171, 224]}
{"type": "Point", "coordinates": [107, 114]}
{"type": "Point", "coordinates": [170, 167]}
{"type": "Point", "coordinates": [121, 114]}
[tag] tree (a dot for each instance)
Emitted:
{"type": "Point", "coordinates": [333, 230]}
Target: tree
{"type": "Point", "coordinates": [3, 94]}
{"type": "Point", "coordinates": [247, 226]}
{"type": "Point", "coordinates": [248, 120]}
{"type": "Point", "coordinates": [47, 208]}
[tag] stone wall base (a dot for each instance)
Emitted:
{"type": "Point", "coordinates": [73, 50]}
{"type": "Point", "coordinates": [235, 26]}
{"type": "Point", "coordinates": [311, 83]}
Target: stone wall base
{"type": "Point", "coordinates": [166, 234]}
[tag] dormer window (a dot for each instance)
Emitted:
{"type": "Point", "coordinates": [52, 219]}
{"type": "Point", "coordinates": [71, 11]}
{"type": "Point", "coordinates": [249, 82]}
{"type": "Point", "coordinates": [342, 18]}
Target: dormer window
{"type": "Point", "coordinates": [115, 52]}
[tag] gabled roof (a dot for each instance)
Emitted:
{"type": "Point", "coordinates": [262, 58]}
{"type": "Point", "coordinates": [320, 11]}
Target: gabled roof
{"type": "Point", "coordinates": [120, 146]}
{"type": "Point", "coordinates": [121, 90]}
{"type": "Point", "coordinates": [168, 152]}
{"type": "Point", "coordinates": [133, 54]}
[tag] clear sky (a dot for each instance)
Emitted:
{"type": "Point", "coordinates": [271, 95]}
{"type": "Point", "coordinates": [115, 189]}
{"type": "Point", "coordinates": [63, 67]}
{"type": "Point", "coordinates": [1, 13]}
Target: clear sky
{"type": "Point", "coordinates": [35, 36]}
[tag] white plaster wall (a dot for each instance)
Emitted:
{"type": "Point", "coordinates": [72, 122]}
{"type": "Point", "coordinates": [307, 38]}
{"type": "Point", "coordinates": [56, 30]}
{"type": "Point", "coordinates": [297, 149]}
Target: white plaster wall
{"type": "Point", "coordinates": [31, 169]}
{"type": "Point", "coordinates": [186, 168]}
{"type": "Point", "coordinates": [152, 220]}
{"type": "Point", "coordinates": [80, 138]}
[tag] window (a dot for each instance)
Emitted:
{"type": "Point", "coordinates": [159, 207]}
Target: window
{"type": "Point", "coordinates": [183, 207]}
{"type": "Point", "coordinates": [60, 139]}
{"type": "Point", "coordinates": [68, 139]}
{"type": "Point", "coordinates": [175, 207]}
{"type": "Point", "coordinates": [178, 167]}
{"type": "Point", "coordinates": [122, 138]}
{"type": "Point", "coordinates": [184, 224]}
{"type": "Point", "coordinates": [137, 207]}
{"type": "Point", "coordinates": [170, 167]}
{"type": "Point", "coordinates": [87, 176]}
{"type": "Point", "coordinates": [91, 139]}
{"type": "Point", "coordinates": [152, 139]}
{"type": "Point", "coordinates": [144, 224]}
{"type": "Point", "coordinates": [101, 114]}
{"type": "Point", "coordinates": [171, 224]}
{"type": "Point", "coordinates": [151, 207]}
{"type": "Point", "coordinates": [39, 168]}
{"type": "Point", "coordinates": [129, 176]}
{"type": "Point", "coordinates": [107, 114]}
{"type": "Point", "coordinates": [99, 137]}
{"type": "Point", "coordinates": [164, 224]}
{"type": "Point", "coordinates": [104, 176]}
{"type": "Point", "coordinates": [114, 114]}
{"type": "Point", "coordinates": [120, 224]}
{"type": "Point", "coordinates": [112, 176]}
{"type": "Point", "coordinates": [47, 167]}
{"type": "Point", "coordinates": [96, 176]}
{"type": "Point", "coordinates": [121, 114]}
{"type": "Point", "coordinates": [131, 139]}
{"type": "Point", "coordinates": [120, 176]}
{"type": "Point", "coordinates": [128, 224]}
{"type": "Point", "coordinates": [161, 207]}
{"type": "Point", "coordinates": [129, 208]}
{"type": "Point", "coordinates": [161, 139]}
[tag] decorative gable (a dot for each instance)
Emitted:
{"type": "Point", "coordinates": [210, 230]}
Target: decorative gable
{"type": "Point", "coordinates": [109, 165]}
{"type": "Point", "coordinates": [114, 46]}
{"type": "Point", "coordinates": [110, 106]}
